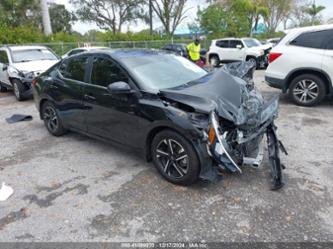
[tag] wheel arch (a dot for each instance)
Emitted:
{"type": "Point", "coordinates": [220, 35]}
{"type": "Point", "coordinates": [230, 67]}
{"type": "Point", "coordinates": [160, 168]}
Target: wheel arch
{"type": "Point", "coordinates": [321, 74]}
{"type": "Point", "coordinates": [41, 104]}
{"type": "Point", "coordinates": [210, 55]}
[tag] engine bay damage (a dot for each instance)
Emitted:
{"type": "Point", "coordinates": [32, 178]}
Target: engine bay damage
{"type": "Point", "coordinates": [234, 119]}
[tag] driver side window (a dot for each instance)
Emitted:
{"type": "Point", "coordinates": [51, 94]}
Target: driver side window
{"type": "Point", "coordinates": [105, 72]}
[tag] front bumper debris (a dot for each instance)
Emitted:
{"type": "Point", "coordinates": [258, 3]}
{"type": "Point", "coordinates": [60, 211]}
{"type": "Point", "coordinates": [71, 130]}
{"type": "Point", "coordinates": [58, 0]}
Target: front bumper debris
{"type": "Point", "coordinates": [226, 156]}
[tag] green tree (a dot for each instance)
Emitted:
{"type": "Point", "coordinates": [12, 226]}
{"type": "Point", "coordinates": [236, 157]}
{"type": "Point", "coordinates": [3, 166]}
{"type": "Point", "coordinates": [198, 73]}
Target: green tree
{"type": "Point", "coordinates": [61, 18]}
{"type": "Point", "coordinates": [108, 14]}
{"type": "Point", "coordinates": [15, 13]}
{"type": "Point", "coordinates": [278, 11]}
{"type": "Point", "coordinates": [170, 12]}
{"type": "Point", "coordinates": [313, 11]}
{"type": "Point", "coordinates": [213, 19]}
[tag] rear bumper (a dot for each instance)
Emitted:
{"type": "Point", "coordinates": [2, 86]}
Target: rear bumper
{"type": "Point", "coordinates": [277, 83]}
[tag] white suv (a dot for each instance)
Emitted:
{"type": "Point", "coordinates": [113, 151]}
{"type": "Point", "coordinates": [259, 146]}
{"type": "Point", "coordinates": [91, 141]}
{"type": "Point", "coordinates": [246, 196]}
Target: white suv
{"type": "Point", "coordinates": [302, 64]}
{"type": "Point", "coordinates": [19, 65]}
{"type": "Point", "coordinates": [233, 49]}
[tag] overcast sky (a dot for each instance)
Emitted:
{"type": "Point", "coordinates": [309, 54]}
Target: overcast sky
{"type": "Point", "coordinates": [192, 5]}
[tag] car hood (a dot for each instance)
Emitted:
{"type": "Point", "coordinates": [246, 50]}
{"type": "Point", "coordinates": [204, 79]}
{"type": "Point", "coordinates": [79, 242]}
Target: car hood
{"type": "Point", "coordinates": [231, 97]}
{"type": "Point", "coordinates": [34, 66]}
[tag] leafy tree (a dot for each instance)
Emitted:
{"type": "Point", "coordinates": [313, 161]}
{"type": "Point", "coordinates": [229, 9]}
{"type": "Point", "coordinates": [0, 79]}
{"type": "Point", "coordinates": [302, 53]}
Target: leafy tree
{"type": "Point", "coordinates": [213, 19]}
{"type": "Point", "coordinates": [61, 18]}
{"type": "Point", "coordinates": [20, 12]}
{"type": "Point", "coordinates": [107, 14]}
{"type": "Point", "coordinates": [170, 12]}
{"type": "Point", "coordinates": [278, 11]}
{"type": "Point", "coordinates": [314, 11]}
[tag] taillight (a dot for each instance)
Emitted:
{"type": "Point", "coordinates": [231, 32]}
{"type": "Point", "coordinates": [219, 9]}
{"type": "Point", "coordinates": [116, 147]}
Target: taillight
{"type": "Point", "coordinates": [34, 82]}
{"type": "Point", "coordinates": [274, 56]}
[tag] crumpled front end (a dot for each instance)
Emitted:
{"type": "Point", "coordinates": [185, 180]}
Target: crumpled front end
{"type": "Point", "coordinates": [25, 77]}
{"type": "Point", "coordinates": [237, 139]}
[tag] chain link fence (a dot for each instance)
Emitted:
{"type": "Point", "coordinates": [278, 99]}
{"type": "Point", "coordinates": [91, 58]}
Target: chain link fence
{"type": "Point", "coordinates": [63, 47]}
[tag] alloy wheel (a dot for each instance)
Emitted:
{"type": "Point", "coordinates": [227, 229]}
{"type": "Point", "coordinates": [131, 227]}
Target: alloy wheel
{"type": "Point", "coordinates": [51, 118]}
{"type": "Point", "coordinates": [306, 91]}
{"type": "Point", "coordinates": [173, 158]}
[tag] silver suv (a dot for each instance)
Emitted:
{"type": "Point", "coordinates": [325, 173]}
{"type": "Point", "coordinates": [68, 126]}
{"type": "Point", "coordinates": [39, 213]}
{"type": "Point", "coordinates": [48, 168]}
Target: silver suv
{"type": "Point", "coordinates": [20, 64]}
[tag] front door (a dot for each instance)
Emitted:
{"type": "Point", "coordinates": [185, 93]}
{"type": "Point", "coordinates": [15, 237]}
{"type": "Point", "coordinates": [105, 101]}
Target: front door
{"type": "Point", "coordinates": [236, 50]}
{"type": "Point", "coordinates": [4, 62]}
{"type": "Point", "coordinates": [107, 115]}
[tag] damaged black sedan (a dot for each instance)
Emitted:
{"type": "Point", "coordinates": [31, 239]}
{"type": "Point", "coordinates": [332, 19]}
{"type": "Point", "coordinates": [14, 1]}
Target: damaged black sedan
{"type": "Point", "coordinates": [191, 123]}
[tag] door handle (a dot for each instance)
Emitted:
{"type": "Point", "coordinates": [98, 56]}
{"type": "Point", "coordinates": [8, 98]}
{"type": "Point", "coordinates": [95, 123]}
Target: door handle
{"type": "Point", "coordinates": [89, 97]}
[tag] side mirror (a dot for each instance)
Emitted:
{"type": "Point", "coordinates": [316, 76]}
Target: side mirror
{"type": "Point", "coordinates": [239, 46]}
{"type": "Point", "coordinates": [5, 67]}
{"type": "Point", "coordinates": [119, 87]}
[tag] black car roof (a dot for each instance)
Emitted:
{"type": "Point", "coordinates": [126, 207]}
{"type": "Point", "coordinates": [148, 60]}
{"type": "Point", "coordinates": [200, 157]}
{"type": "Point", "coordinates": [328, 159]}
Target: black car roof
{"type": "Point", "coordinates": [127, 53]}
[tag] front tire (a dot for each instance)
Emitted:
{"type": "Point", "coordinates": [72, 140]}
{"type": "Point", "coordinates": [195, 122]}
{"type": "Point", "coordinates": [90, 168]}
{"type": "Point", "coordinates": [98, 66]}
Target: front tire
{"type": "Point", "coordinates": [175, 158]}
{"type": "Point", "coordinates": [254, 61]}
{"type": "Point", "coordinates": [18, 89]}
{"type": "Point", "coordinates": [52, 120]}
{"type": "Point", "coordinates": [214, 60]}
{"type": "Point", "coordinates": [307, 90]}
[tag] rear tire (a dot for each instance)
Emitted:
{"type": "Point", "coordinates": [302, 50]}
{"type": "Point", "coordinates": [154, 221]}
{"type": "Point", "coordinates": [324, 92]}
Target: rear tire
{"type": "Point", "coordinates": [52, 120]}
{"type": "Point", "coordinates": [175, 158]}
{"type": "Point", "coordinates": [214, 60]}
{"type": "Point", "coordinates": [307, 90]}
{"type": "Point", "coordinates": [18, 89]}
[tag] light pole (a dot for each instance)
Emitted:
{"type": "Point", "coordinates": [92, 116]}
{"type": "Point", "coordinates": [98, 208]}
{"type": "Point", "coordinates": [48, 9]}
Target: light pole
{"type": "Point", "coordinates": [46, 18]}
{"type": "Point", "coordinates": [150, 17]}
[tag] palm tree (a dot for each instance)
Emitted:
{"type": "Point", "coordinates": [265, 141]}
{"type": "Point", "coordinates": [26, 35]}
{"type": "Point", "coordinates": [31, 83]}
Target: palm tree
{"type": "Point", "coordinates": [313, 11]}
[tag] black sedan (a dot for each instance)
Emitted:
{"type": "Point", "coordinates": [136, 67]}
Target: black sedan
{"type": "Point", "coordinates": [192, 124]}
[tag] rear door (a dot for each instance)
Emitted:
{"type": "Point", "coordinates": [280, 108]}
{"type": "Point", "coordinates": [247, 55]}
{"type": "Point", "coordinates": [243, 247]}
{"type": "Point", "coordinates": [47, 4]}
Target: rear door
{"type": "Point", "coordinates": [4, 62]}
{"type": "Point", "coordinates": [328, 56]}
{"type": "Point", "coordinates": [66, 91]}
{"type": "Point", "coordinates": [110, 116]}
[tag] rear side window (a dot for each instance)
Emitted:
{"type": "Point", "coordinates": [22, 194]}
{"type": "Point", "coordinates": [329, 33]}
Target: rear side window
{"type": "Point", "coordinates": [316, 39]}
{"type": "Point", "coordinates": [235, 43]}
{"type": "Point", "coordinates": [74, 68]}
{"type": "Point", "coordinates": [105, 72]}
{"type": "Point", "coordinates": [4, 57]}
{"type": "Point", "coordinates": [222, 44]}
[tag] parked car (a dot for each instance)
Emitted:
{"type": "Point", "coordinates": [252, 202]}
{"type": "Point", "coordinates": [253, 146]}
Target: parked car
{"type": "Point", "coordinates": [233, 49]}
{"type": "Point", "coordinates": [274, 41]}
{"type": "Point", "coordinates": [20, 64]}
{"type": "Point", "coordinates": [301, 64]}
{"type": "Point", "coordinates": [177, 48]}
{"type": "Point", "coordinates": [181, 49]}
{"type": "Point", "coordinates": [267, 47]}
{"type": "Point", "coordinates": [190, 123]}
{"type": "Point", "coordinates": [81, 50]}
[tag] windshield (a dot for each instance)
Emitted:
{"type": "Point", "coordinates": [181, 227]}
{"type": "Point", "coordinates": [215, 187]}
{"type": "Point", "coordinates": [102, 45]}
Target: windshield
{"type": "Point", "coordinates": [155, 72]}
{"type": "Point", "coordinates": [33, 55]}
{"type": "Point", "coordinates": [250, 43]}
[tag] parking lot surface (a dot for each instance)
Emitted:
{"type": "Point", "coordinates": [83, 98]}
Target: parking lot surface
{"type": "Point", "coordinates": [73, 188]}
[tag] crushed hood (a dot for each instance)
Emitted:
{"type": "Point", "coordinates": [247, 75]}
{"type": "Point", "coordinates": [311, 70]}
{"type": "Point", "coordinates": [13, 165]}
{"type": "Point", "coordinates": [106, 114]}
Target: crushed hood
{"type": "Point", "coordinates": [231, 97]}
{"type": "Point", "coordinates": [34, 66]}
